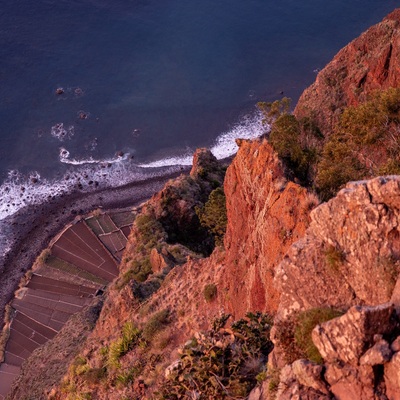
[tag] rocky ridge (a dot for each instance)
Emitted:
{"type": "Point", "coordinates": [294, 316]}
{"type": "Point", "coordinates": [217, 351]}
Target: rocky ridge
{"type": "Point", "coordinates": [368, 63]}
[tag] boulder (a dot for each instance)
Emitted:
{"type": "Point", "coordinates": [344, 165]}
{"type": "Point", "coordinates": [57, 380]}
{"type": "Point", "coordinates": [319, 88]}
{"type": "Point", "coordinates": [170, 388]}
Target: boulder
{"type": "Point", "coordinates": [395, 346]}
{"type": "Point", "coordinates": [392, 377]}
{"type": "Point", "coordinates": [159, 261]}
{"type": "Point", "coordinates": [379, 353]}
{"type": "Point", "coordinates": [291, 389]}
{"type": "Point", "coordinates": [309, 374]}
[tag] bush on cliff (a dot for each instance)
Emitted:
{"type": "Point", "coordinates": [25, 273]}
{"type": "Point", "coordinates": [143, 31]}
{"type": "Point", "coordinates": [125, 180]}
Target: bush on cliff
{"type": "Point", "coordinates": [294, 333]}
{"type": "Point", "coordinates": [364, 143]}
{"type": "Point", "coordinates": [213, 215]}
{"type": "Point", "coordinates": [221, 363]}
{"type": "Point", "coordinates": [295, 141]}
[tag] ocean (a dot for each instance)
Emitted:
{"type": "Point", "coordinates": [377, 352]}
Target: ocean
{"type": "Point", "coordinates": [142, 83]}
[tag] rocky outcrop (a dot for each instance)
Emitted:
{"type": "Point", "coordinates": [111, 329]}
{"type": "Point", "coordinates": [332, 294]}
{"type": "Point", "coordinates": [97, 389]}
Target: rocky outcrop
{"type": "Point", "coordinates": [347, 260]}
{"type": "Point", "coordinates": [359, 362]}
{"type": "Point", "coordinates": [350, 253]}
{"type": "Point", "coordinates": [346, 338]}
{"type": "Point", "coordinates": [175, 205]}
{"type": "Point", "coordinates": [368, 63]}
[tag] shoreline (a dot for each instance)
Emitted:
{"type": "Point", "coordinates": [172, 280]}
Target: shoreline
{"type": "Point", "coordinates": [32, 227]}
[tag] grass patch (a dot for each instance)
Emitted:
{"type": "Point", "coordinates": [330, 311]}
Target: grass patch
{"type": "Point", "coordinates": [294, 333]}
{"type": "Point", "coordinates": [118, 348]}
{"type": "Point", "coordinates": [388, 269]}
{"type": "Point", "coordinates": [334, 258]}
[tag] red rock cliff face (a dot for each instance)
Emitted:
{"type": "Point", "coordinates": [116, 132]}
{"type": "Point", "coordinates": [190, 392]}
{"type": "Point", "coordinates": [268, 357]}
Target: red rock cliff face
{"type": "Point", "coordinates": [266, 214]}
{"type": "Point", "coordinates": [368, 63]}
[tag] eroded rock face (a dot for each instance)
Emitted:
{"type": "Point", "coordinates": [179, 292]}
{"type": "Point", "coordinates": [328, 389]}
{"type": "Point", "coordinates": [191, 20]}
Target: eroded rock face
{"type": "Point", "coordinates": [349, 255]}
{"type": "Point", "coordinates": [347, 382]}
{"type": "Point", "coordinates": [266, 214]}
{"type": "Point", "coordinates": [370, 62]}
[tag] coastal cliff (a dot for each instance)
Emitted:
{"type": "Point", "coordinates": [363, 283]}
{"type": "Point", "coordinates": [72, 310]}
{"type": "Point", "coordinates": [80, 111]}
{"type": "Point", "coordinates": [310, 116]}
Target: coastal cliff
{"type": "Point", "coordinates": [235, 283]}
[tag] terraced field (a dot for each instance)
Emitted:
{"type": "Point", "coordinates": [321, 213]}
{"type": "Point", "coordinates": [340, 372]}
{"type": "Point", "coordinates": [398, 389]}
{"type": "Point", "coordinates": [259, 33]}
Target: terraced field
{"type": "Point", "coordinates": [82, 260]}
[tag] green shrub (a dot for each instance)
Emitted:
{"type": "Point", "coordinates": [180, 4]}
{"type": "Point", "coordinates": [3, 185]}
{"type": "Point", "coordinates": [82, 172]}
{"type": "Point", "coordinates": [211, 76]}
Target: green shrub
{"type": "Point", "coordinates": [306, 321]}
{"type": "Point", "coordinates": [213, 215]}
{"type": "Point", "coordinates": [294, 141]}
{"type": "Point", "coordinates": [150, 230]}
{"type": "Point", "coordinates": [155, 324]}
{"type": "Point", "coordinates": [364, 143]}
{"type": "Point", "coordinates": [294, 333]}
{"type": "Point", "coordinates": [339, 164]}
{"type": "Point", "coordinates": [210, 292]}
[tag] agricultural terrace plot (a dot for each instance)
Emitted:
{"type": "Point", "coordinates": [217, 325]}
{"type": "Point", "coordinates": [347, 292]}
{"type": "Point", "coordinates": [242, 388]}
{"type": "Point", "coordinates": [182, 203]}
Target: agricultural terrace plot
{"type": "Point", "coordinates": [79, 246]}
{"type": "Point", "coordinates": [101, 224]}
{"type": "Point", "coordinates": [41, 310]}
{"type": "Point", "coordinates": [123, 218]}
{"type": "Point", "coordinates": [82, 262]}
{"type": "Point", "coordinates": [115, 243]}
{"type": "Point", "coordinates": [7, 375]}
{"type": "Point", "coordinates": [62, 270]}
{"type": "Point", "coordinates": [126, 230]}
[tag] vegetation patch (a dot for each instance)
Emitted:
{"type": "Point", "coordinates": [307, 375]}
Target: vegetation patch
{"type": "Point", "coordinates": [294, 334]}
{"type": "Point", "coordinates": [295, 141]}
{"type": "Point", "coordinates": [362, 143]}
{"type": "Point", "coordinates": [210, 292]}
{"type": "Point", "coordinates": [150, 231]}
{"type": "Point", "coordinates": [156, 323]}
{"type": "Point", "coordinates": [388, 269]}
{"type": "Point", "coordinates": [213, 215]}
{"type": "Point", "coordinates": [334, 258]}
{"type": "Point", "coordinates": [221, 363]}
{"type": "Point", "coordinates": [129, 338]}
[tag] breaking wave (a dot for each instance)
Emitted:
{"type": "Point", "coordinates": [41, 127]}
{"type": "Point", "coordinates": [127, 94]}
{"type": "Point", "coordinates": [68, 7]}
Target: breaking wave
{"type": "Point", "coordinates": [249, 127]}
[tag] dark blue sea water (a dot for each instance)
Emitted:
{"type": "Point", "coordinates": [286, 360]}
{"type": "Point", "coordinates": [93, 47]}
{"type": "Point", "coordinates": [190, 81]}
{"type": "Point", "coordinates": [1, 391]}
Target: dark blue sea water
{"type": "Point", "coordinates": [151, 78]}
